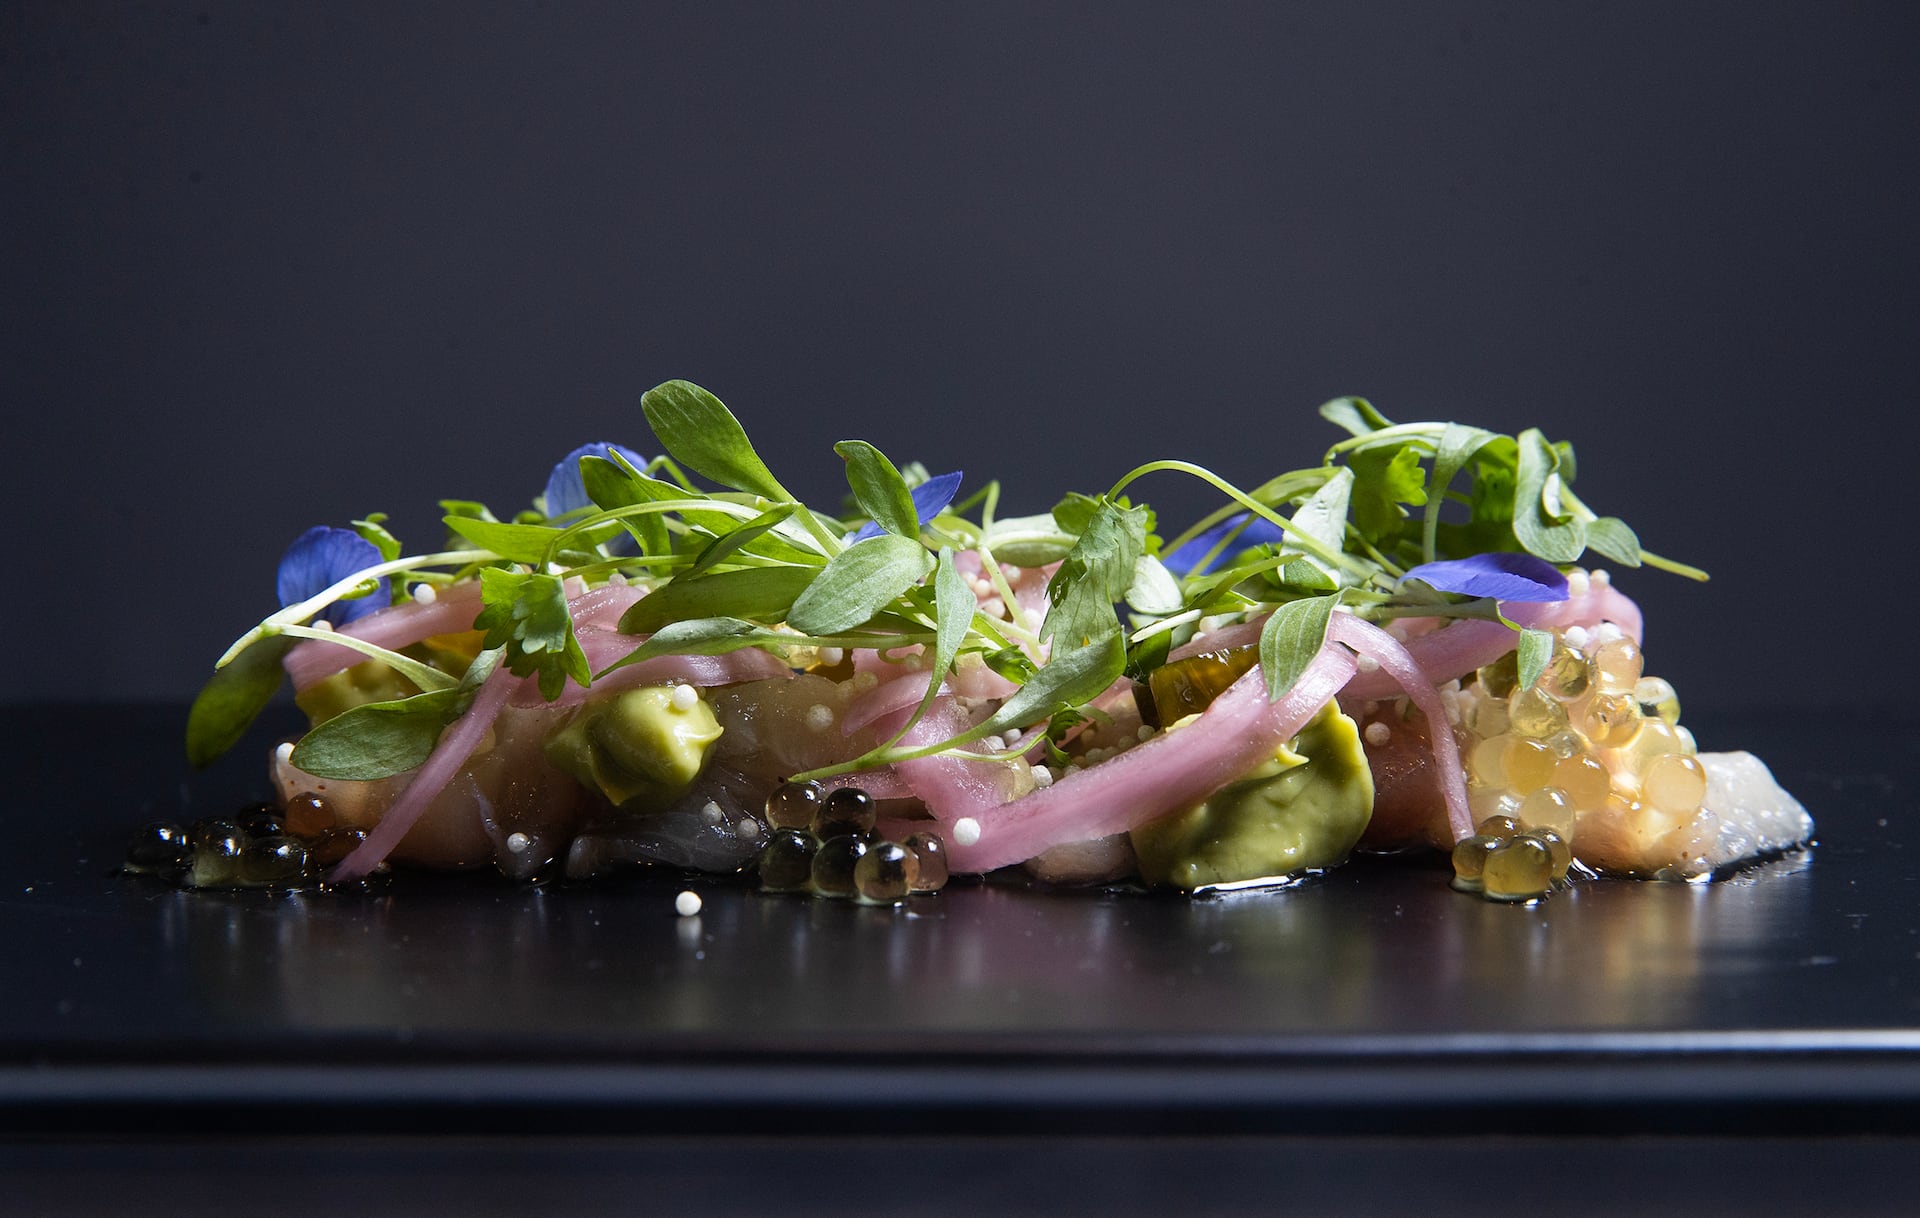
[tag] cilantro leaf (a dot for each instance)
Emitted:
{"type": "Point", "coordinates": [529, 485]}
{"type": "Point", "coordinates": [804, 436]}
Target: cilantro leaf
{"type": "Point", "coordinates": [526, 612]}
{"type": "Point", "coordinates": [1095, 574]}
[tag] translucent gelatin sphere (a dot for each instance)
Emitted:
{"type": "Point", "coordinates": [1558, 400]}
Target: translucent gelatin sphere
{"type": "Point", "coordinates": [1533, 713]}
{"type": "Point", "coordinates": [1486, 802]}
{"type": "Point", "coordinates": [1586, 781]}
{"type": "Point", "coordinates": [1520, 870]}
{"type": "Point", "coordinates": [1529, 764]}
{"type": "Point", "coordinates": [1657, 699]}
{"type": "Point", "coordinates": [793, 804]}
{"type": "Point", "coordinates": [1616, 666]}
{"type": "Point", "coordinates": [931, 854]}
{"type": "Point", "coordinates": [1566, 676]}
{"type": "Point", "coordinates": [1470, 861]}
{"type": "Point", "coordinates": [885, 874]}
{"type": "Point", "coordinates": [1610, 719]}
{"type": "Point", "coordinates": [1675, 784]}
{"type": "Point", "coordinates": [1547, 808]}
{"type": "Point", "coordinates": [1488, 761]}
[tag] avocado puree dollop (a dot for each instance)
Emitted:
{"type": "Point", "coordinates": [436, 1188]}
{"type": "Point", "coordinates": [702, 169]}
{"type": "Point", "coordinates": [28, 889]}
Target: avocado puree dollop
{"type": "Point", "coordinates": [642, 748]}
{"type": "Point", "coordinates": [1303, 809]}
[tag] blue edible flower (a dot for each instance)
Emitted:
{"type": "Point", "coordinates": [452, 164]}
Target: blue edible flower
{"type": "Point", "coordinates": [565, 492]}
{"type": "Point", "coordinates": [1261, 532]}
{"type": "Point", "coordinates": [320, 558]}
{"type": "Point", "coordinates": [930, 498]}
{"type": "Point", "coordinates": [1503, 576]}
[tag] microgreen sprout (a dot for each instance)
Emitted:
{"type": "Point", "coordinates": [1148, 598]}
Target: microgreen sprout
{"type": "Point", "coordinates": [1428, 519]}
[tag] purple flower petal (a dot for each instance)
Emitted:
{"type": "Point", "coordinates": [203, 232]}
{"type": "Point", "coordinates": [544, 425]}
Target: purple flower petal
{"type": "Point", "coordinates": [322, 557]}
{"type": "Point", "coordinates": [565, 491]}
{"type": "Point", "coordinates": [1262, 532]}
{"type": "Point", "coordinates": [930, 498]}
{"type": "Point", "coordinates": [1503, 576]}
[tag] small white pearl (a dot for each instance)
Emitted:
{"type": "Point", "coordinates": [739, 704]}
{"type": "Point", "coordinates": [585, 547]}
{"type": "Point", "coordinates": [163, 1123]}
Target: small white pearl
{"type": "Point", "coordinates": [819, 717]}
{"type": "Point", "coordinates": [517, 843]}
{"type": "Point", "coordinates": [687, 904]}
{"type": "Point", "coordinates": [1378, 734]}
{"type": "Point", "coordinates": [684, 697]}
{"type": "Point", "coordinates": [424, 594]}
{"type": "Point", "coordinates": [966, 831]}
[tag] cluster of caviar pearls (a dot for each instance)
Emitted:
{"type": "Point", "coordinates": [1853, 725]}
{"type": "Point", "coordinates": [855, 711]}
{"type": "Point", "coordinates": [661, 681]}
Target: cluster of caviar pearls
{"type": "Point", "coordinates": [1593, 735]}
{"type": "Point", "coordinates": [262, 847]}
{"type": "Point", "coordinates": [825, 843]}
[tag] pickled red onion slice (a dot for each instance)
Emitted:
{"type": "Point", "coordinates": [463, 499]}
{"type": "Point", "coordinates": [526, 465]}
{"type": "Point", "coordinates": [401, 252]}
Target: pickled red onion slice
{"type": "Point", "coordinates": [455, 746]}
{"type": "Point", "coordinates": [1395, 660]}
{"type": "Point", "coordinates": [1170, 771]}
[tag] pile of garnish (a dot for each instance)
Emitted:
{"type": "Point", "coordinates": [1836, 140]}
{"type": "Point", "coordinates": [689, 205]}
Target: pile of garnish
{"type": "Point", "coordinates": [665, 657]}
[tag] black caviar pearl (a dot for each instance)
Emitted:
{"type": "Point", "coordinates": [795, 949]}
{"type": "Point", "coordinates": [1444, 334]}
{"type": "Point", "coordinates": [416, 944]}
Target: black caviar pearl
{"type": "Point", "coordinates": [161, 848]}
{"type": "Point", "coordinates": [793, 804]}
{"type": "Point", "coordinates": [786, 861]}
{"type": "Point", "coordinates": [847, 810]}
{"type": "Point", "coordinates": [834, 863]}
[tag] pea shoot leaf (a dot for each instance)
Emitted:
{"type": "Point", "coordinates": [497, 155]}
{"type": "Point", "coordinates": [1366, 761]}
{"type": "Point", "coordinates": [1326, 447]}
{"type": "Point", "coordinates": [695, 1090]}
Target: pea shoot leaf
{"type": "Point", "coordinates": [858, 582]}
{"type": "Point", "coordinates": [1610, 537]}
{"type": "Point", "coordinates": [761, 594]}
{"type": "Point", "coordinates": [878, 488]}
{"type": "Point", "coordinates": [377, 739]}
{"type": "Point", "coordinates": [1532, 653]}
{"type": "Point", "coordinates": [701, 433]}
{"type": "Point", "coordinates": [1290, 640]}
{"type": "Point", "coordinates": [233, 698]}
{"type": "Point", "coordinates": [1357, 415]}
{"type": "Point", "coordinates": [1539, 522]}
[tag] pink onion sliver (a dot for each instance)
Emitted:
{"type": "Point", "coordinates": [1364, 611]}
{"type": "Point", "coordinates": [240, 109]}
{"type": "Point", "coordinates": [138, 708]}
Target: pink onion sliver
{"type": "Point", "coordinates": [1396, 661]}
{"type": "Point", "coordinates": [392, 628]}
{"type": "Point", "coordinates": [1173, 770]}
{"type": "Point", "coordinates": [455, 746]}
{"type": "Point", "coordinates": [604, 605]}
{"type": "Point", "coordinates": [1445, 654]}
{"type": "Point", "coordinates": [1600, 603]}
{"type": "Point", "coordinates": [885, 699]}
{"type": "Point", "coordinates": [605, 648]}
{"type": "Point", "coordinates": [880, 784]}
{"type": "Point", "coordinates": [951, 787]}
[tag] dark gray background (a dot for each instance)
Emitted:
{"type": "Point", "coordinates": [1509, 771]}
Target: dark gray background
{"type": "Point", "coordinates": [269, 266]}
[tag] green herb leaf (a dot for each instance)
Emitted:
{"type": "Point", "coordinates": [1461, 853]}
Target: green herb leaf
{"type": "Point", "coordinates": [858, 582]}
{"type": "Point", "coordinates": [1609, 536]}
{"type": "Point", "coordinates": [1095, 575]}
{"type": "Point", "coordinates": [1029, 541]}
{"type": "Point", "coordinates": [1154, 591]}
{"type": "Point", "coordinates": [373, 529]}
{"type": "Point", "coordinates": [1455, 447]}
{"type": "Point", "coordinates": [528, 543]}
{"type": "Point", "coordinates": [1071, 679]}
{"type": "Point", "coordinates": [1323, 517]}
{"type": "Point", "coordinates": [614, 485]}
{"type": "Point", "coordinates": [1384, 479]}
{"type": "Point", "coordinates": [710, 636]}
{"type": "Point", "coordinates": [527, 614]}
{"type": "Point", "coordinates": [233, 698]}
{"type": "Point", "coordinates": [702, 434]}
{"type": "Point", "coordinates": [1534, 650]}
{"type": "Point", "coordinates": [878, 488]}
{"type": "Point", "coordinates": [761, 594]}
{"type": "Point", "coordinates": [1538, 521]}
{"type": "Point", "coordinates": [377, 739]}
{"type": "Point", "coordinates": [734, 540]}
{"type": "Point", "coordinates": [1290, 640]}
{"type": "Point", "coordinates": [1357, 415]}
{"type": "Point", "coordinates": [954, 606]}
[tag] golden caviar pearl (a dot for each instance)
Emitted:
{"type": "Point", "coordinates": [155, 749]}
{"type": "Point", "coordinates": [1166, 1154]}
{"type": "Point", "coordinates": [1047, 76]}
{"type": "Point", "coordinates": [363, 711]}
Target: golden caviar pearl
{"type": "Point", "coordinates": [1585, 779]}
{"type": "Point", "coordinates": [1520, 869]}
{"type": "Point", "coordinates": [1559, 849]}
{"type": "Point", "coordinates": [1500, 677]}
{"type": "Point", "coordinates": [1657, 699]}
{"type": "Point", "coordinates": [1547, 808]}
{"type": "Point", "coordinates": [1535, 714]}
{"type": "Point", "coordinates": [1656, 738]}
{"type": "Point", "coordinates": [1488, 760]}
{"type": "Point", "coordinates": [1675, 783]}
{"type": "Point", "coordinates": [1499, 828]}
{"type": "Point", "coordinates": [1611, 719]}
{"type": "Point", "coordinates": [1485, 802]}
{"type": "Point", "coordinates": [1470, 859]}
{"type": "Point", "coordinates": [1616, 666]}
{"type": "Point", "coordinates": [1566, 744]}
{"type": "Point", "coordinates": [1528, 764]}
{"type": "Point", "coordinates": [1566, 676]}
{"type": "Point", "coordinates": [1488, 716]}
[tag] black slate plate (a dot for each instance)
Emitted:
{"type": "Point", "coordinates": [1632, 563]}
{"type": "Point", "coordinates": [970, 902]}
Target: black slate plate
{"type": "Point", "coordinates": [1372, 999]}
